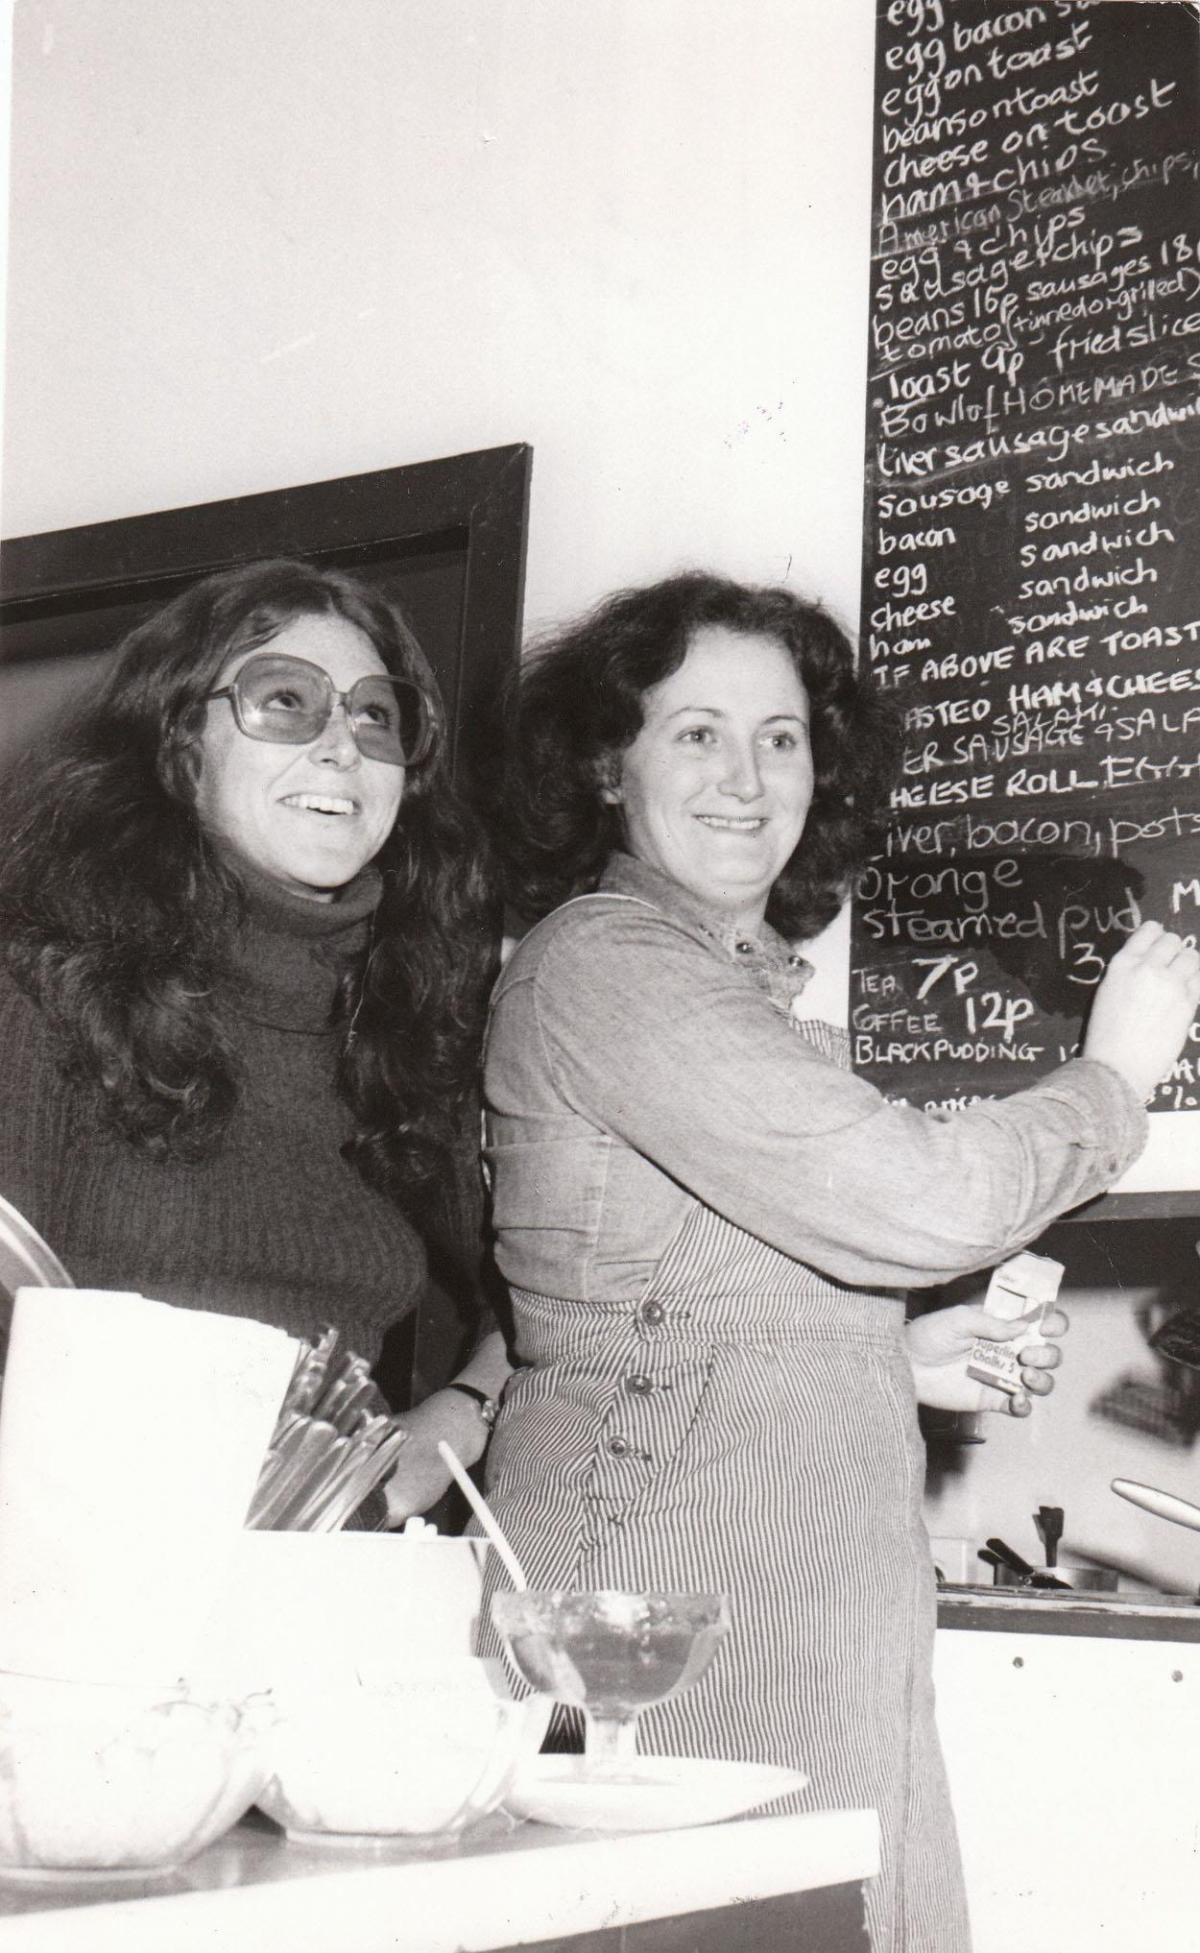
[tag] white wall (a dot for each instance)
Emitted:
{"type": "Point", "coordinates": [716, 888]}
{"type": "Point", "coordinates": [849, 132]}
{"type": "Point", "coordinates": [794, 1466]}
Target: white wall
{"type": "Point", "coordinates": [261, 242]}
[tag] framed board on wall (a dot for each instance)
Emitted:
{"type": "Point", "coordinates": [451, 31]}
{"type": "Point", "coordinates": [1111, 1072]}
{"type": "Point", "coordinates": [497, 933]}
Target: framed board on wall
{"type": "Point", "coordinates": [1031, 575]}
{"type": "Point", "coordinates": [445, 539]}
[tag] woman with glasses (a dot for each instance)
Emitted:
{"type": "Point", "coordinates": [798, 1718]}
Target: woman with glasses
{"type": "Point", "coordinates": [245, 954]}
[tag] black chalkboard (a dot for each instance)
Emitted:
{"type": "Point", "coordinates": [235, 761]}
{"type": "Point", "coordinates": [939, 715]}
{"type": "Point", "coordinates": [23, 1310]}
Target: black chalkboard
{"type": "Point", "coordinates": [1031, 580]}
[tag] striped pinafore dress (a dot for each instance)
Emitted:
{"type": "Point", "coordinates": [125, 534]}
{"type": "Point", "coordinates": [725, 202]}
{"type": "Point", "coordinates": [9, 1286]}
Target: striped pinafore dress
{"type": "Point", "coordinates": [748, 1427]}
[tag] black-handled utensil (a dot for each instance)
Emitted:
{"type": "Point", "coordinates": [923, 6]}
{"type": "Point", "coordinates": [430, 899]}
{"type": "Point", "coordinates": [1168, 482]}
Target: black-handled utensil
{"type": "Point", "coordinates": [1010, 1559]}
{"type": "Point", "coordinates": [994, 1560]}
{"type": "Point", "coordinates": [1015, 1564]}
{"type": "Point", "coordinates": [1050, 1524]}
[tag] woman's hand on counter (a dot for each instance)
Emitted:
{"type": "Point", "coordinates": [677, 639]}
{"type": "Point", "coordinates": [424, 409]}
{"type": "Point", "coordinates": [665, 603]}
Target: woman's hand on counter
{"type": "Point", "coordinates": [939, 1348]}
{"type": "Point", "coordinates": [420, 1478]}
{"type": "Point", "coordinates": [447, 1417]}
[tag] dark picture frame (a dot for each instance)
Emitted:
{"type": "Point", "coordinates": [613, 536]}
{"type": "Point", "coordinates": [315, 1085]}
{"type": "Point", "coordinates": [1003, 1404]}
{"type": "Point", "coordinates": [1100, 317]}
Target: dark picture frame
{"type": "Point", "coordinates": [445, 538]}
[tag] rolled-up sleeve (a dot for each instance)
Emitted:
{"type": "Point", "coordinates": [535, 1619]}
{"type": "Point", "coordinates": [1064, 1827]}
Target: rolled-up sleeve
{"type": "Point", "coordinates": [663, 1044]}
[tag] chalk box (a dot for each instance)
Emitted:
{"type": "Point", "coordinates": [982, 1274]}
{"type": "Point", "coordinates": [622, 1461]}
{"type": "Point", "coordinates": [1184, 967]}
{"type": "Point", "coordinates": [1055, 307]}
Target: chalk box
{"type": "Point", "coordinates": [1018, 1286]}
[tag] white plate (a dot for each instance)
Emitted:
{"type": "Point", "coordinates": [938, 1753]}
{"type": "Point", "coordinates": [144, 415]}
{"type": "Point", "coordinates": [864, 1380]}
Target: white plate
{"type": "Point", "coordinates": [660, 1793]}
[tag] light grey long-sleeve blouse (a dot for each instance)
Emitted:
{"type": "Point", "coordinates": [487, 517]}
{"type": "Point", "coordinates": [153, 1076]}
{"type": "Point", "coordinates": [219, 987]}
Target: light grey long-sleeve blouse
{"type": "Point", "coordinates": [636, 1057]}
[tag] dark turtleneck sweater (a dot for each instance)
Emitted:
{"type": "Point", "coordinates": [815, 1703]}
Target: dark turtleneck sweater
{"type": "Point", "coordinates": [276, 1225]}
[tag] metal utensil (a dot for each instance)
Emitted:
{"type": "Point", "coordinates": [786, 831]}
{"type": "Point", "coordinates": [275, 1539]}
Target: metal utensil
{"type": "Point", "coordinates": [997, 1564]}
{"type": "Point", "coordinates": [360, 1477]}
{"type": "Point", "coordinates": [1009, 1558]}
{"type": "Point", "coordinates": [308, 1377]}
{"type": "Point", "coordinates": [302, 1457]}
{"type": "Point", "coordinates": [1015, 1564]}
{"type": "Point", "coordinates": [1050, 1522]}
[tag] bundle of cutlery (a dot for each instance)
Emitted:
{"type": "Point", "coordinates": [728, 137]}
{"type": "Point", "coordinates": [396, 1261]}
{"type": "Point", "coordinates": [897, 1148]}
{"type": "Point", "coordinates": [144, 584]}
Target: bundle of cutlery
{"type": "Point", "coordinates": [335, 1441]}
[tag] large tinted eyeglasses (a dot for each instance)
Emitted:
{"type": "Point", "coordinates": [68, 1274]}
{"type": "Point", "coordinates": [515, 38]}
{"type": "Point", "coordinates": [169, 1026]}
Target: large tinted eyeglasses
{"type": "Point", "coordinates": [290, 702]}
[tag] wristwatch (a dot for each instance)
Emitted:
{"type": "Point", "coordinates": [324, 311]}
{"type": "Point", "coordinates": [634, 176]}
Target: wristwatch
{"type": "Point", "coordinates": [487, 1405]}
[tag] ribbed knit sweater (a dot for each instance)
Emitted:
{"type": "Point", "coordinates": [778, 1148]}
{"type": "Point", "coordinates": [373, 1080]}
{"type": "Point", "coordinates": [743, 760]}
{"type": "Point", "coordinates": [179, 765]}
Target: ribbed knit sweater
{"type": "Point", "coordinates": [276, 1225]}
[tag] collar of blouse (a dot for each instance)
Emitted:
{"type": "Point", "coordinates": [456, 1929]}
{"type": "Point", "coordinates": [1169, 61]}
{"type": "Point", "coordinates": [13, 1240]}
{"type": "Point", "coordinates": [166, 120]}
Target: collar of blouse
{"type": "Point", "coordinates": [777, 967]}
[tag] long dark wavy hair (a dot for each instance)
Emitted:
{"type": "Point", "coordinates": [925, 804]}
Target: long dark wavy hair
{"type": "Point", "coordinates": [578, 704]}
{"type": "Point", "coordinates": [116, 906]}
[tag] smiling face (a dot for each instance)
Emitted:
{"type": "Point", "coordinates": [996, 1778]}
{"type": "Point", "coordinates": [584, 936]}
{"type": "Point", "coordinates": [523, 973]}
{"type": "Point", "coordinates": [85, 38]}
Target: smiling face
{"type": "Point", "coordinates": [307, 817]}
{"type": "Point", "coordinates": [715, 789]}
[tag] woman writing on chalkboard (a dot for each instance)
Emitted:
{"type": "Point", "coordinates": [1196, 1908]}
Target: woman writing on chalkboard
{"type": "Point", "coordinates": [706, 1219]}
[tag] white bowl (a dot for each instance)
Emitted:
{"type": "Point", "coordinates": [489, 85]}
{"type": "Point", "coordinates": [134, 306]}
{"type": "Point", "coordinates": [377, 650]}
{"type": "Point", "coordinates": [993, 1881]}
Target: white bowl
{"type": "Point", "coordinates": [102, 1779]}
{"type": "Point", "coordinates": [432, 1750]}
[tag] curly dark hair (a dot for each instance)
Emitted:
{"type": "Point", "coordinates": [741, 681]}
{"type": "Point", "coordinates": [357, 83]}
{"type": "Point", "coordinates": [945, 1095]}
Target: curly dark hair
{"type": "Point", "coordinates": [116, 907]}
{"type": "Point", "coordinates": [577, 705]}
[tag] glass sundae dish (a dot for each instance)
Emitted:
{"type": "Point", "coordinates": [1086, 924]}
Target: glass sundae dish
{"type": "Point", "coordinates": [612, 1655]}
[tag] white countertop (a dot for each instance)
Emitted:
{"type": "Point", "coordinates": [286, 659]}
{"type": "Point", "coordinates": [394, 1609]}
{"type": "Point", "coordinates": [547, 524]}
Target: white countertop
{"type": "Point", "coordinates": [498, 1885]}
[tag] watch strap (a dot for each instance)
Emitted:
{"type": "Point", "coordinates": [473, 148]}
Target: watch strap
{"type": "Point", "coordinates": [487, 1405]}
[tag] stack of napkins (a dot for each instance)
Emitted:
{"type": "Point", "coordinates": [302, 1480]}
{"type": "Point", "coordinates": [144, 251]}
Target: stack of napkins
{"type": "Point", "coordinates": [131, 1439]}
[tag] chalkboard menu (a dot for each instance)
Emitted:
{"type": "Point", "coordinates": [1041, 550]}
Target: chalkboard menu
{"type": "Point", "coordinates": [1031, 585]}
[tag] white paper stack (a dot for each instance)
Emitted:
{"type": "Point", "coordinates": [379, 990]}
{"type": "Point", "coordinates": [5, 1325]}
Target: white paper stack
{"type": "Point", "coordinates": [131, 1438]}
